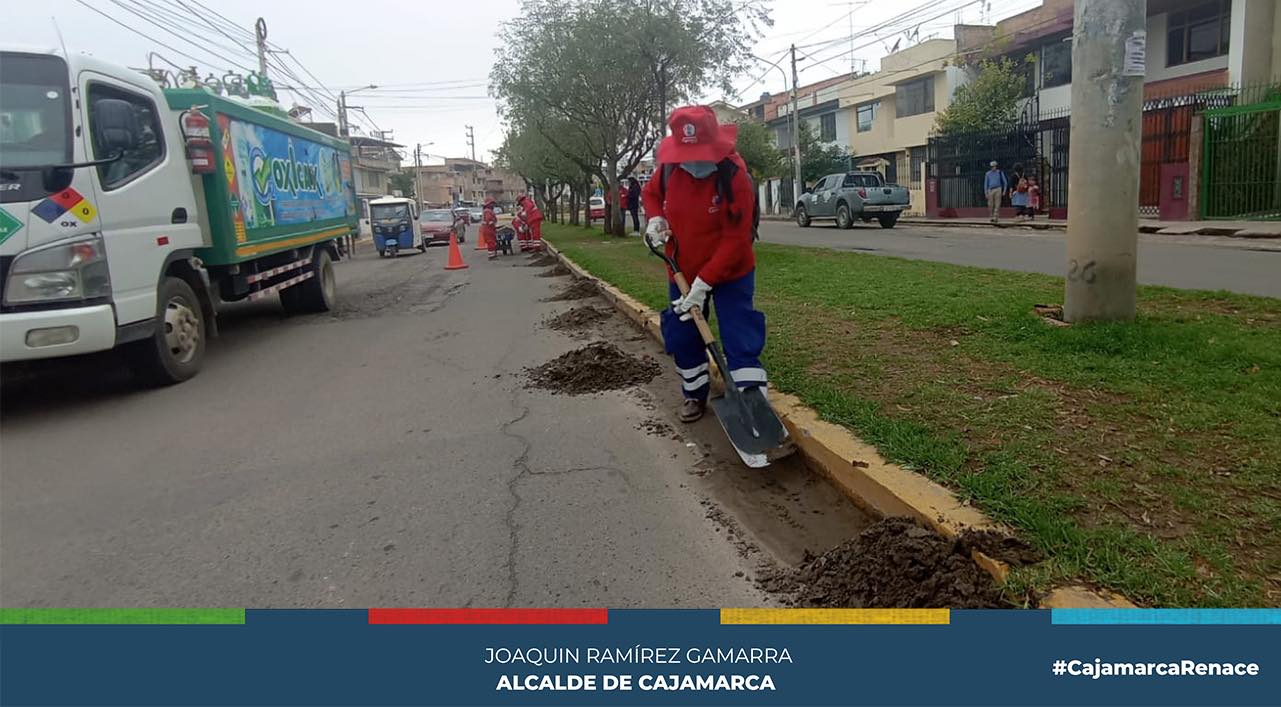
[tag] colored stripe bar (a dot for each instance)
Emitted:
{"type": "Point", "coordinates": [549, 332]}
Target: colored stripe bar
{"type": "Point", "coordinates": [897, 617]}
{"type": "Point", "coordinates": [489, 616]}
{"type": "Point", "coordinates": [1070, 617]}
{"type": "Point", "coordinates": [122, 616]}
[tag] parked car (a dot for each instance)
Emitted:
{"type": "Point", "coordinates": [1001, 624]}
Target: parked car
{"type": "Point", "coordinates": [597, 206]}
{"type": "Point", "coordinates": [852, 195]}
{"type": "Point", "coordinates": [437, 225]}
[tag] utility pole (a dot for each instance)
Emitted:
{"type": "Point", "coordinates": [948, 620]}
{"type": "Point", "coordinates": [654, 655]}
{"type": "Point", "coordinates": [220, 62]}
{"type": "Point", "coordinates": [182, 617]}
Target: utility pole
{"type": "Point", "coordinates": [342, 113]}
{"type": "Point", "coordinates": [799, 187]}
{"type": "Point", "coordinates": [260, 30]}
{"type": "Point", "coordinates": [1109, 46]}
{"type": "Point", "coordinates": [471, 141]}
{"type": "Point", "coordinates": [418, 163]}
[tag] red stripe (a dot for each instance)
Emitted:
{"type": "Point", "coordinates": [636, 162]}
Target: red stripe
{"type": "Point", "coordinates": [488, 616]}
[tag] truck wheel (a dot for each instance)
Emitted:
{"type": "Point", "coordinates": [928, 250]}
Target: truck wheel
{"type": "Point", "coordinates": [176, 351]}
{"type": "Point", "coordinates": [843, 219]}
{"type": "Point", "coordinates": [315, 294]}
{"type": "Point", "coordinates": [888, 220]}
{"type": "Point", "coordinates": [802, 216]}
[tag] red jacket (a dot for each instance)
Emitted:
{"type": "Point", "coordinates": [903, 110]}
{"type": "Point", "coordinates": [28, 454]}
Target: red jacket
{"type": "Point", "coordinates": [622, 198]}
{"type": "Point", "coordinates": [715, 238]}
{"type": "Point", "coordinates": [488, 218]}
{"type": "Point", "coordinates": [530, 212]}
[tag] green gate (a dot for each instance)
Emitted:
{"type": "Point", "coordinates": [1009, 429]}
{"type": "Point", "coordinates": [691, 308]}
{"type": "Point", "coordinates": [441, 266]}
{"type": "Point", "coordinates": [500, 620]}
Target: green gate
{"type": "Point", "coordinates": [1241, 163]}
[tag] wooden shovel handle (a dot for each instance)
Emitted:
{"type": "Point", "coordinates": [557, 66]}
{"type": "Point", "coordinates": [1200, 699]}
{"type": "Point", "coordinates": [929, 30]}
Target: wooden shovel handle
{"type": "Point", "coordinates": [703, 330]}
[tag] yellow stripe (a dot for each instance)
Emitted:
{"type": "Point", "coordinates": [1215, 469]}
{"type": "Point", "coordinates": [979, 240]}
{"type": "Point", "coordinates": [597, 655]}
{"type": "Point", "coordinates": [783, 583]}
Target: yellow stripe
{"type": "Point", "coordinates": [257, 248]}
{"type": "Point", "coordinates": [836, 616]}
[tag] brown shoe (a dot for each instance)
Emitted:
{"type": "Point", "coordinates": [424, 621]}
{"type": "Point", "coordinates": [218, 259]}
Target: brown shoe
{"type": "Point", "coordinates": [691, 410]}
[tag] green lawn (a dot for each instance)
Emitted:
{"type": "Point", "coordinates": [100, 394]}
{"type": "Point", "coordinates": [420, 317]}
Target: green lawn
{"type": "Point", "coordinates": [1141, 457]}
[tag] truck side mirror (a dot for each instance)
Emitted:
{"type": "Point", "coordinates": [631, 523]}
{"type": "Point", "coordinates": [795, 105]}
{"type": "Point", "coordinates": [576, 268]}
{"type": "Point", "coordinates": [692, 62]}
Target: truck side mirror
{"type": "Point", "coordinates": [115, 126]}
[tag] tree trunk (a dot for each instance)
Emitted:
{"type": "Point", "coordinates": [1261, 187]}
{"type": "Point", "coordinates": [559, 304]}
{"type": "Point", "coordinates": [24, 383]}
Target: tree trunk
{"type": "Point", "coordinates": [573, 206]}
{"type": "Point", "coordinates": [614, 214]}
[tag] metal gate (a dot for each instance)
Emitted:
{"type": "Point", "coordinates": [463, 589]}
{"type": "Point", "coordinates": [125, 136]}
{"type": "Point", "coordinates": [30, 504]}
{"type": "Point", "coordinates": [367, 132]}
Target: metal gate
{"type": "Point", "coordinates": [1167, 136]}
{"type": "Point", "coordinates": [1241, 169]}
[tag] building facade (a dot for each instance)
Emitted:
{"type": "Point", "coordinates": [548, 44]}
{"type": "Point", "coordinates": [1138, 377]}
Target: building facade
{"type": "Point", "coordinates": [463, 180]}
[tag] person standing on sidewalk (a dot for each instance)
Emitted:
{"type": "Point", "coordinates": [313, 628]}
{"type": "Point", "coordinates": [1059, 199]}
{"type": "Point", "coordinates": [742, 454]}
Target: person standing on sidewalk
{"type": "Point", "coordinates": [1033, 198]}
{"type": "Point", "coordinates": [700, 204]}
{"type": "Point", "coordinates": [995, 185]}
{"type": "Point", "coordinates": [633, 201]}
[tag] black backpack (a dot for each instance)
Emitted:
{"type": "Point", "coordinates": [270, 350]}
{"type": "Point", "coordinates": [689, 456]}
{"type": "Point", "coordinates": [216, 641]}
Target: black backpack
{"type": "Point", "coordinates": [726, 169]}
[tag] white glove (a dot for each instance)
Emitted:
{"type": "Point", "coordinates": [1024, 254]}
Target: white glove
{"type": "Point", "coordinates": [697, 297]}
{"type": "Point", "coordinates": [656, 232]}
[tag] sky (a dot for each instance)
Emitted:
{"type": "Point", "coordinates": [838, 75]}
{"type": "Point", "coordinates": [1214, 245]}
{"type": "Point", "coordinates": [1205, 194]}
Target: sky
{"type": "Point", "coordinates": [431, 58]}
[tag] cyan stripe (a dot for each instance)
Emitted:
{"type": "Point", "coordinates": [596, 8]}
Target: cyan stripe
{"type": "Point", "coordinates": [1165, 616]}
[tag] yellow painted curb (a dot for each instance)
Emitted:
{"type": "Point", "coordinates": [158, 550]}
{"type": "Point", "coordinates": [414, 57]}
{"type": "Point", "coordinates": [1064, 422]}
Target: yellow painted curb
{"type": "Point", "coordinates": [857, 469]}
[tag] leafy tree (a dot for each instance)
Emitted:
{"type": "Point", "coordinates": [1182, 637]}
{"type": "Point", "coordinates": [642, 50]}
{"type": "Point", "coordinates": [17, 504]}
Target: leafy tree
{"type": "Point", "coordinates": [988, 102]}
{"type": "Point", "coordinates": [545, 168]}
{"type": "Point", "coordinates": [403, 182]}
{"type": "Point", "coordinates": [818, 158]}
{"type": "Point", "coordinates": [756, 145]}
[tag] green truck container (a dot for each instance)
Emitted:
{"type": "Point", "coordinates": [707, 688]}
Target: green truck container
{"type": "Point", "coordinates": [277, 185]}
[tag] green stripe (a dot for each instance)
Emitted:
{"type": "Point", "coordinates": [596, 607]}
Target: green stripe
{"type": "Point", "coordinates": [122, 616]}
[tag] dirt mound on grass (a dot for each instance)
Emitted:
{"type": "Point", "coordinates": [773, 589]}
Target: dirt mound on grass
{"type": "Point", "coordinates": [593, 368]}
{"type": "Point", "coordinates": [576, 319]}
{"type": "Point", "coordinates": [542, 261]}
{"type": "Point", "coordinates": [581, 289]}
{"type": "Point", "coordinates": [997, 546]}
{"type": "Point", "coordinates": [558, 271]}
{"type": "Point", "coordinates": [892, 564]}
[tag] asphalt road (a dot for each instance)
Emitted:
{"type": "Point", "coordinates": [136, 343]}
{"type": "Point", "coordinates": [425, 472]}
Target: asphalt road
{"type": "Point", "coordinates": [1193, 262]}
{"type": "Point", "coordinates": [387, 454]}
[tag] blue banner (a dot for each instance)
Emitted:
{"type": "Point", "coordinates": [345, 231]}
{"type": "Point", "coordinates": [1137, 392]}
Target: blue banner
{"type": "Point", "coordinates": [650, 657]}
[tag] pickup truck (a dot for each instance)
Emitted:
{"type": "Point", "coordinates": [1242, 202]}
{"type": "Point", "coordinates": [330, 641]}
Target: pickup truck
{"type": "Point", "coordinates": [129, 213]}
{"type": "Point", "coordinates": [850, 195]}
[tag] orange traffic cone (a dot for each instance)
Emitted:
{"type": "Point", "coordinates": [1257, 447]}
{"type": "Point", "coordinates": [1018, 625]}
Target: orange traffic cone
{"type": "Point", "coordinates": [480, 242]}
{"type": "Point", "coordinates": [455, 255]}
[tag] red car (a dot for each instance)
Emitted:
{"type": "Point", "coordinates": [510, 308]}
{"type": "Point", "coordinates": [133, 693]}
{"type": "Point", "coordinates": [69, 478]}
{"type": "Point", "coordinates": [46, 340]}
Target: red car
{"type": "Point", "coordinates": [437, 224]}
{"type": "Point", "coordinates": [597, 206]}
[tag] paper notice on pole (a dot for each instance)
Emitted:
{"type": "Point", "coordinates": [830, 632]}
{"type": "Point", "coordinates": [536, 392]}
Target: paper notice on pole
{"type": "Point", "coordinates": [1136, 54]}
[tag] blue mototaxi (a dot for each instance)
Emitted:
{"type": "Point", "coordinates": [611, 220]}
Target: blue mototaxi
{"type": "Point", "coordinates": [395, 225]}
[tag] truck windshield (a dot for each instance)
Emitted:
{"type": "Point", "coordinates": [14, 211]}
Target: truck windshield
{"type": "Point", "coordinates": [387, 212]}
{"type": "Point", "coordinates": [35, 122]}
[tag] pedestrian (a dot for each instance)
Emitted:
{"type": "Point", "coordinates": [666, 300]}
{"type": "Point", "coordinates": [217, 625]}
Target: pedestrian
{"type": "Point", "coordinates": [1019, 197]}
{"type": "Point", "coordinates": [623, 206]}
{"type": "Point", "coordinates": [1033, 198]}
{"type": "Point", "coordinates": [994, 185]}
{"type": "Point", "coordinates": [489, 228]}
{"type": "Point", "coordinates": [633, 202]}
{"type": "Point", "coordinates": [533, 218]}
{"type": "Point", "coordinates": [700, 210]}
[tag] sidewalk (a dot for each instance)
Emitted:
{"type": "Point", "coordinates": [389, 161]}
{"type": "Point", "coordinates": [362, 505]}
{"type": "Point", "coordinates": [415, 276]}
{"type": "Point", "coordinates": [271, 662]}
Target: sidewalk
{"type": "Point", "coordinates": [1236, 229]}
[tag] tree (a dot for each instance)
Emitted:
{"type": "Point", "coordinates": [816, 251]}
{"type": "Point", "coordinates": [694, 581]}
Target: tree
{"type": "Point", "coordinates": [756, 145]}
{"type": "Point", "coordinates": [593, 76]}
{"type": "Point", "coordinates": [548, 171]}
{"type": "Point", "coordinates": [988, 102]}
{"type": "Point", "coordinates": [403, 182]}
{"type": "Point", "coordinates": [818, 158]}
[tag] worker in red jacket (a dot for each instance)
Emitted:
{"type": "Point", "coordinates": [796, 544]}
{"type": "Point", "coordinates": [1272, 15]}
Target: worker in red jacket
{"type": "Point", "coordinates": [533, 218]}
{"type": "Point", "coordinates": [489, 228]}
{"type": "Point", "coordinates": [700, 206]}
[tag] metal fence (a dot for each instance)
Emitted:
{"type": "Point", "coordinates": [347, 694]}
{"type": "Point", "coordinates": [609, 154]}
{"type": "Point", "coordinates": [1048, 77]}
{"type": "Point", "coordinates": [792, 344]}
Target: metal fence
{"type": "Point", "coordinates": [1241, 167]}
{"type": "Point", "coordinates": [1038, 146]}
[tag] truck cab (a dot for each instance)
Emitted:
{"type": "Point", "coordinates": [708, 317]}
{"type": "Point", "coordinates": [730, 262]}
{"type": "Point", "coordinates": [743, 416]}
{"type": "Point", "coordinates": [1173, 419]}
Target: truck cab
{"type": "Point", "coordinates": [846, 196]}
{"type": "Point", "coordinates": [87, 169]}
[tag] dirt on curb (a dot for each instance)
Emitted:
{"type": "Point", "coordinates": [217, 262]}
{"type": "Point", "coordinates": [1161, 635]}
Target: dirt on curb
{"type": "Point", "coordinates": [894, 563]}
{"type": "Point", "coordinates": [542, 261]}
{"type": "Point", "coordinates": [576, 319]}
{"type": "Point", "coordinates": [998, 546]}
{"type": "Point", "coordinates": [593, 368]}
{"type": "Point", "coordinates": [581, 289]}
{"type": "Point", "coordinates": [558, 271]}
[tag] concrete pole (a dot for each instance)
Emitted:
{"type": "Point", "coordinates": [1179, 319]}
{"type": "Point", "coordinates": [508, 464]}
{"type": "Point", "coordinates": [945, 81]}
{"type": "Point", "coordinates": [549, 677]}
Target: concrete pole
{"type": "Point", "coordinates": [418, 165]}
{"type": "Point", "coordinates": [342, 114]}
{"type": "Point", "coordinates": [799, 186]}
{"type": "Point", "coordinates": [260, 33]}
{"type": "Point", "coordinates": [1108, 47]}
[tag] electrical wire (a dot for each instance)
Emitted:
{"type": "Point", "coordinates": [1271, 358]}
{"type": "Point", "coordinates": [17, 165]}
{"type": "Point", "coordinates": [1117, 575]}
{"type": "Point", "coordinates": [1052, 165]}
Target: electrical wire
{"type": "Point", "coordinates": [188, 40]}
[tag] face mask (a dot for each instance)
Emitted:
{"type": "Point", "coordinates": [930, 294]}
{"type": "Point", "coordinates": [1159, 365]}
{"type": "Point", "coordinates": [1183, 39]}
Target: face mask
{"type": "Point", "coordinates": [699, 170]}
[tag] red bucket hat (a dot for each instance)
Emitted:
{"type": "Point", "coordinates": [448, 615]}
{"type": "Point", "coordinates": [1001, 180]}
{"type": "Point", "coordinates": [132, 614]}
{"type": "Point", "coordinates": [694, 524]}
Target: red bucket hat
{"type": "Point", "coordinates": [696, 137]}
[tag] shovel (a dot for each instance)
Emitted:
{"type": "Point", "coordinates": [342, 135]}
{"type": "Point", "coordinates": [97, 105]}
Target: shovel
{"type": "Point", "coordinates": [748, 420]}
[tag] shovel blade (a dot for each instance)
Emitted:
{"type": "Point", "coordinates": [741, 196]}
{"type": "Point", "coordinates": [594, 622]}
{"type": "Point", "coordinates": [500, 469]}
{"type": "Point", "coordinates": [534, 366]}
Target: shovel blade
{"type": "Point", "coordinates": [750, 423]}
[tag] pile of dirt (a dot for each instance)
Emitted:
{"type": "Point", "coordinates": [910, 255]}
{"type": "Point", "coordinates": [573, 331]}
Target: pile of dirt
{"type": "Point", "coordinates": [657, 428]}
{"type": "Point", "coordinates": [576, 319]}
{"type": "Point", "coordinates": [593, 368]}
{"type": "Point", "coordinates": [581, 289]}
{"type": "Point", "coordinates": [895, 563]}
{"type": "Point", "coordinates": [998, 546]}
{"type": "Point", "coordinates": [558, 271]}
{"type": "Point", "coordinates": [542, 261]}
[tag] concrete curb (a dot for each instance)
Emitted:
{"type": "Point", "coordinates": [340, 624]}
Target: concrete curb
{"type": "Point", "coordinates": [858, 470]}
{"type": "Point", "coordinates": [1191, 228]}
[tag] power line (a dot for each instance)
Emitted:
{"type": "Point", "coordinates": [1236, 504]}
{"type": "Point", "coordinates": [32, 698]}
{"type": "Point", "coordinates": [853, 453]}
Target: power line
{"type": "Point", "coordinates": [193, 43]}
{"type": "Point", "coordinates": [146, 36]}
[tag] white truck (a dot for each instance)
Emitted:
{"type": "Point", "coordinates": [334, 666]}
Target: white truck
{"type": "Point", "coordinates": [130, 212]}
